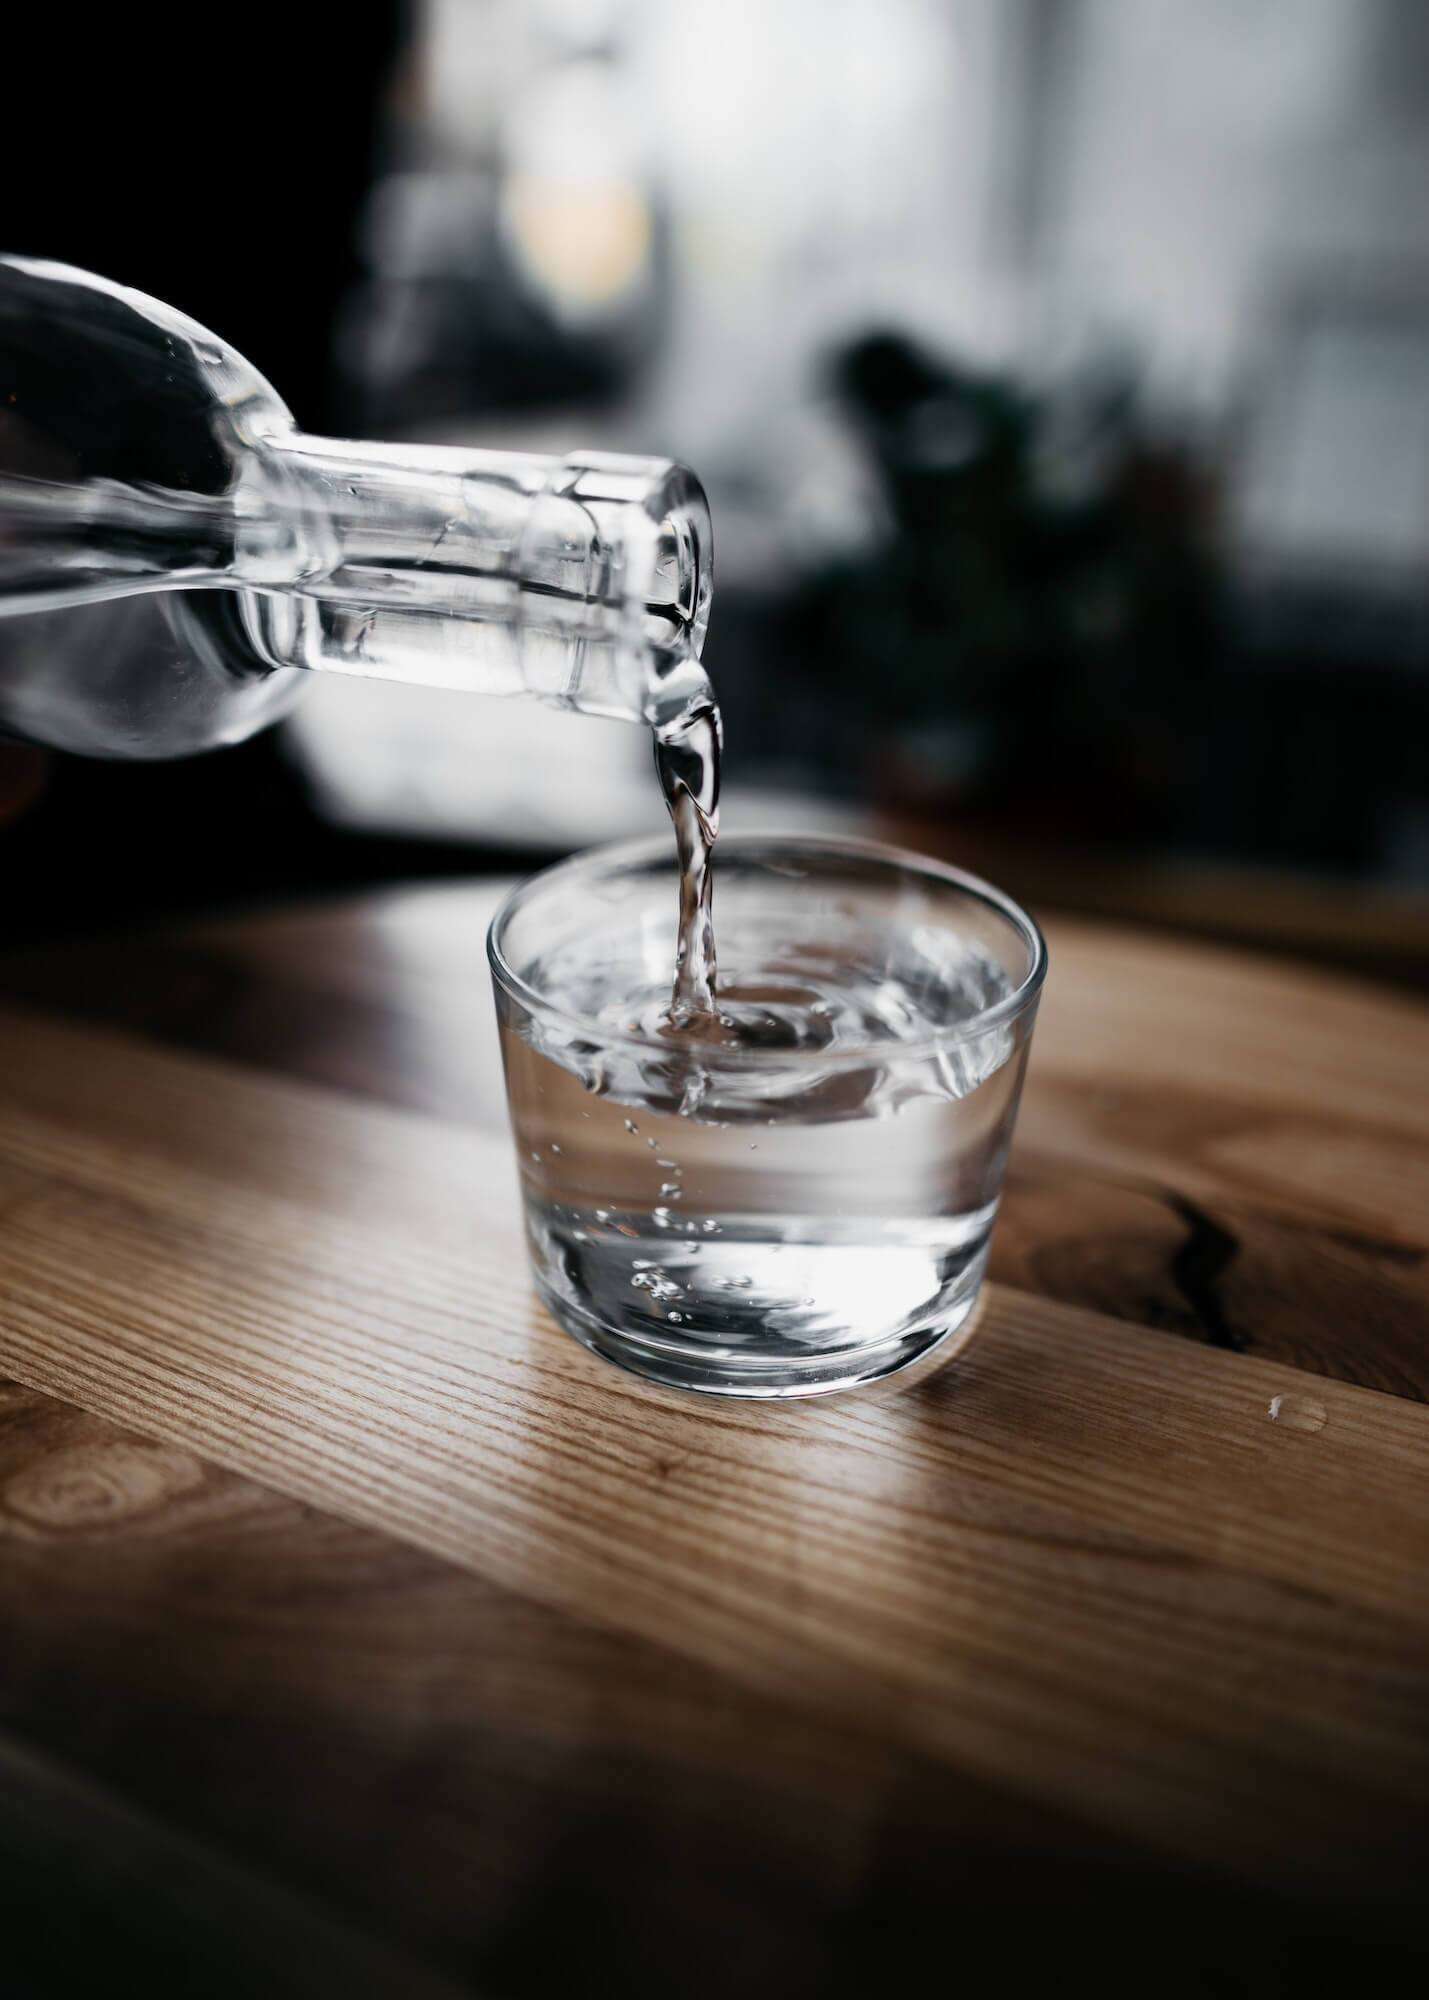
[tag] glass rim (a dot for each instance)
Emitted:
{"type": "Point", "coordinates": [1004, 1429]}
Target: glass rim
{"type": "Point", "coordinates": [658, 847]}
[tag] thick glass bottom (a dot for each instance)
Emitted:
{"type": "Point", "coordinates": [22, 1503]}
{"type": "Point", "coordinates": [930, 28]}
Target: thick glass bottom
{"type": "Point", "coordinates": [770, 1359]}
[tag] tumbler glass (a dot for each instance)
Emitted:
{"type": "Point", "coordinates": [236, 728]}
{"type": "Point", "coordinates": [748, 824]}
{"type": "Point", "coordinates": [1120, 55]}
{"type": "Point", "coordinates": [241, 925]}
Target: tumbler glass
{"type": "Point", "coordinates": [802, 1199]}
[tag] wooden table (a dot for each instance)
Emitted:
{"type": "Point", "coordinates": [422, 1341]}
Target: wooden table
{"type": "Point", "coordinates": [359, 1633]}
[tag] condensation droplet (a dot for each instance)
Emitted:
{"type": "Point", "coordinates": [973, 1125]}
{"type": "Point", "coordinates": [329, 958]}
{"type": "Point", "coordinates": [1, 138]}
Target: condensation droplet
{"type": "Point", "coordinates": [672, 1191]}
{"type": "Point", "coordinates": [537, 1158]}
{"type": "Point", "coordinates": [602, 1215]}
{"type": "Point", "coordinates": [1297, 1413]}
{"type": "Point", "coordinates": [675, 1316]}
{"type": "Point", "coordinates": [554, 1147]}
{"type": "Point", "coordinates": [631, 1126]}
{"type": "Point", "coordinates": [661, 1218]}
{"type": "Point", "coordinates": [651, 1144]}
{"type": "Point", "coordinates": [710, 1226]}
{"type": "Point", "coordinates": [670, 1163]}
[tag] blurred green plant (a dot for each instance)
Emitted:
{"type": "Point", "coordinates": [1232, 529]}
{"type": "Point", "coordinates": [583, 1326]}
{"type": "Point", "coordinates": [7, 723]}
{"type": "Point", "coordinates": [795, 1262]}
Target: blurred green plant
{"type": "Point", "coordinates": [1040, 627]}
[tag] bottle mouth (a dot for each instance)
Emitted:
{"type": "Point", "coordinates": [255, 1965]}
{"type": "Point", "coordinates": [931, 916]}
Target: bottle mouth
{"type": "Point", "coordinates": [656, 574]}
{"type": "Point", "coordinates": [682, 581]}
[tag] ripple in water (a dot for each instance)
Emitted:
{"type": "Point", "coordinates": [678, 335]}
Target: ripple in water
{"type": "Point", "coordinates": [902, 990]}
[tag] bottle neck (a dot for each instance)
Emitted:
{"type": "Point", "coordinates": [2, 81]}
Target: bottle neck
{"type": "Point", "coordinates": [582, 581]}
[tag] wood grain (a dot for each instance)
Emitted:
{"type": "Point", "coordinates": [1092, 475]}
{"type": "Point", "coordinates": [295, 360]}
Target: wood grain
{"type": "Point", "coordinates": [328, 1298]}
{"type": "Point", "coordinates": [503, 1789]}
{"type": "Point", "coordinates": [453, 1736]}
{"type": "Point", "coordinates": [533, 1804]}
{"type": "Point", "coordinates": [1246, 1204]}
{"type": "Point", "coordinates": [295, 1478]}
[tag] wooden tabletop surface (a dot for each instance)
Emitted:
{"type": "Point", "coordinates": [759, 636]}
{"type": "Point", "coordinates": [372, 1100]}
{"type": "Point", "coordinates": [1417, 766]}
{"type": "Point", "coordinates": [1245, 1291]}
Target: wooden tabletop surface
{"type": "Point", "coordinates": [360, 1633]}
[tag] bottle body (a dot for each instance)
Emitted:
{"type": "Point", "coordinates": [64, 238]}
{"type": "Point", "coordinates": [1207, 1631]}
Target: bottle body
{"type": "Point", "coordinates": [175, 556]}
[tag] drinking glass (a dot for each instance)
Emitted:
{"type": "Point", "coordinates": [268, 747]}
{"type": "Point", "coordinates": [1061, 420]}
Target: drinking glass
{"type": "Point", "coordinates": [799, 1199]}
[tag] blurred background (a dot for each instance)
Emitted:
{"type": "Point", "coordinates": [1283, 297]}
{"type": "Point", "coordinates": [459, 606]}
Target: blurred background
{"type": "Point", "coordinates": [1058, 371]}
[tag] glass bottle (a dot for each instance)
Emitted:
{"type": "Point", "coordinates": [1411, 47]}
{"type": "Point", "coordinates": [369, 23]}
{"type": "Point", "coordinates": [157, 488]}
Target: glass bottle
{"type": "Point", "coordinates": [175, 554]}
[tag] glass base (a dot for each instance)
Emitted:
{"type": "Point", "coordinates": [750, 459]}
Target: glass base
{"type": "Point", "coordinates": [682, 1365]}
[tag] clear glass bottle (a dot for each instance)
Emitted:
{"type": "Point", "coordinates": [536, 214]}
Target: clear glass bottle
{"type": "Point", "coordinates": [174, 553]}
